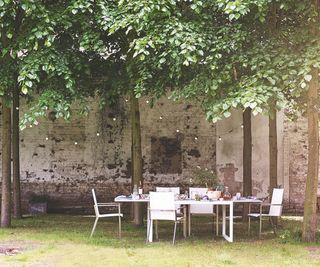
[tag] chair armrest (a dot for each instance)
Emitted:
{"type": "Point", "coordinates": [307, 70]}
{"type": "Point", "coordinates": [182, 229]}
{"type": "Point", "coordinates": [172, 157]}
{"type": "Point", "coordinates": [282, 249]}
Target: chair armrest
{"type": "Point", "coordinates": [108, 204]}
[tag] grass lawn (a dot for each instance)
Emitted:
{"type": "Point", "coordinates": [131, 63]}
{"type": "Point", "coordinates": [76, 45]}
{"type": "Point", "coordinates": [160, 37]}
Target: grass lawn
{"type": "Point", "coordinates": [63, 240]}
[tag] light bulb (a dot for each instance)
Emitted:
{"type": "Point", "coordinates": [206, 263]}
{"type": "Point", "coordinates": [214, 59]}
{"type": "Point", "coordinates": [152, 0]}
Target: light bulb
{"type": "Point", "coordinates": [75, 143]}
{"type": "Point", "coordinates": [220, 138]}
{"type": "Point", "coordinates": [98, 134]}
{"type": "Point", "coordinates": [114, 119]}
{"type": "Point", "coordinates": [47, 138]}
{"type": "Point", "coordinates": [177, 130]}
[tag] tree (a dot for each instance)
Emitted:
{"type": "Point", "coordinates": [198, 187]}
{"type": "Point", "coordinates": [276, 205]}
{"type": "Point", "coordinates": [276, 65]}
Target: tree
{"type": "Point", "coordinates": [34, 55]}
{"type": "Point", "coordinates": [310, 204]}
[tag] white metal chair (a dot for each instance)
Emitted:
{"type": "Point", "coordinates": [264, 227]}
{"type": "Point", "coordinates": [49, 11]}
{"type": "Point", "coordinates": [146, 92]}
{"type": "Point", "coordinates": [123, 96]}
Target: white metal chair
{"type": "Point", "coordinates": [201, 209]}
{"type": "Point", "coordinates": [107, 215]}
{"type": "Point", "coordinates": [275, 209]}
{"type": "Point", "coordinates": [162, 207]}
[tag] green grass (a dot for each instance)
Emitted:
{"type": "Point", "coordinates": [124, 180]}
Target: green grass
{"type": "Point", "coordinates": [62, 240]}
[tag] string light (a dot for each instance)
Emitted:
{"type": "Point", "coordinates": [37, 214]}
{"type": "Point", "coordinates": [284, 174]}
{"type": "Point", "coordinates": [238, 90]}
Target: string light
{"type": "Point", "coordinates": [75, 143]}
{"type": "Point", "coordinates": [177, 130]}
{"type": "Point", "coordinates": [17, 108]}
{"type": "Point", "coordinates": [160, 118]}
{"type": "Point", "coordinates": [196, 138]}
{"type": "Point", "coordinates": [98, 134]}
{"type": "Point", "coordinates": [220, 138]}
{"type": "Point", "coordinates": [147, 101]}
{"type": "Point", "coordinates": [47, 138]}
{"type": "Point", "coordinates": [30, 126]}
{"type": "Point", "coordinates": [126, 100]}
{"type": "Point", "coordinates": [114, 119]}
{"type": "Point", "coordinates": [241, 126]}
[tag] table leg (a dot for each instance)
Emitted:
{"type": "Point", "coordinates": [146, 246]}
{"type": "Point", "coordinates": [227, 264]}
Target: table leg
{"type": "Point", "coordinates": [189, 221]}
{"type": "Point", "coordinates": [149, 226]}
{"type": "Point", "coordinates": [231, 223]}
{"type": "Point", "coordinates": [230, 236]}
{"type": "Point", "coordinates": [185, 221]}
{"type": "Point", "coordinates": [223, 220]}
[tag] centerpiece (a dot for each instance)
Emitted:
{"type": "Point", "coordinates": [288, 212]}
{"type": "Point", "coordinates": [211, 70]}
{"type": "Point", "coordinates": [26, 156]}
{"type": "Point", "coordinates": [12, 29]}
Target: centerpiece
{"type": "Point", "coordinates": [207, 178]}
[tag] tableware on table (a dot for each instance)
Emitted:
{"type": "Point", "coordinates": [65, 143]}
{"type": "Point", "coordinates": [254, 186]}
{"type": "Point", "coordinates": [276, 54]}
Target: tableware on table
{"type": "Point", "coordinates": [221, 198]}
{"type": "Point", "coordinates": [238, 195]}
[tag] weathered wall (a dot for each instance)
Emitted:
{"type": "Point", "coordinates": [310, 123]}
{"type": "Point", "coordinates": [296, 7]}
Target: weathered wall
{"type": "Point", "coordinates": [292, 156]}
{"type": "Point", "coordinates": [66, 159]}
{"type": "Point", "coordinates": [95, 152]}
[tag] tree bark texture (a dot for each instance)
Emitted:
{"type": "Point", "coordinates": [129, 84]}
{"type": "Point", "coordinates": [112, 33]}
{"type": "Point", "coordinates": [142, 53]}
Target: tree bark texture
{"type": "Point", "coordinates": [273, 150]}
{"type": "Point", "coordinates": [273, 144]}
{"type": "Point", "coordinates": [247, 153]}
{"type": "Point", "coordinates": [136, 157]}
{"type": "Point", "coordinates": [247, 160]}
{"type": "Point", "coordinates": [6, 167]}
{"type": "Point", "coordinates": [309, 227]}
{"type": "Point", "coordinates": [16, 154]}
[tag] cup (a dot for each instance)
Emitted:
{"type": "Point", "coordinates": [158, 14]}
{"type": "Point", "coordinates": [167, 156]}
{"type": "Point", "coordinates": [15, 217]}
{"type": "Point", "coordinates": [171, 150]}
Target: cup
{"type": "Point", "coordinates": [221, 198]}
{"type": "Point", "coordinates": [238, 195]}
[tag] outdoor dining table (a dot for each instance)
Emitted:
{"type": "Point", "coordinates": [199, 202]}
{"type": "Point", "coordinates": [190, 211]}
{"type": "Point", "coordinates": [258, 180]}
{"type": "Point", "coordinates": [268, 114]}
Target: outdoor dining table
{"type": "Point", "coordinates": [187, 203]}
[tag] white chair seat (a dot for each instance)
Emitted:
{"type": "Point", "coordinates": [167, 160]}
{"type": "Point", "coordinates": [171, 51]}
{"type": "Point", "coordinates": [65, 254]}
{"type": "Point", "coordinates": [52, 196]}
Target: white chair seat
{"type": "Point", "coordinates": [256, 215]}
{"type": "Point", "coordinates": [275, 209]}
{"type": "Point", "coordinates": [110, 215]}
{"type": "Point", "coordinates": [162, 207]}
{"type": "Point", "coordinates": [201, 210]}
{"type": "Point", "coordinates": [105, 215]}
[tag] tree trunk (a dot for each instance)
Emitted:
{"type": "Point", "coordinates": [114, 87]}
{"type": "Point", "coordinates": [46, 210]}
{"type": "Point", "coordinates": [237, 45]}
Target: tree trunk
{"type": "Point", "coordinates": [273, 150]}
{"type": "Point", "coordinates": [273, 145]}
{"type": "Point", "coordinates": [136, 157]}
{"type": "Point", "coordinates": [247, 153]}
{"type": "Point", "coordinates": [247, 159]}
{"type": "Point", "coordinates": [6, 167]}
{"type": "Point", "coordinates": [309, 227]}
{"type": "Point", "coordinates": [16, 154]}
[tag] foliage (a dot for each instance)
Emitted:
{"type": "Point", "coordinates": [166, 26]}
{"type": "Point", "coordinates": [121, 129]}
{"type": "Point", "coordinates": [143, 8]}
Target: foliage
{"type": "Point", "coordinates": [204, 177]}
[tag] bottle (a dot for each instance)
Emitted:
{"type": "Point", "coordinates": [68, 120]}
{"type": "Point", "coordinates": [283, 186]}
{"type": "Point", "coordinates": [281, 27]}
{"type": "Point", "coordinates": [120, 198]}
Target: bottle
{"type": "Point", "coordinates": [135, 192]}
{"type": "Point", "coordinates": [140, 190]}
{"type": "Point", "coordinates": [226, 195]}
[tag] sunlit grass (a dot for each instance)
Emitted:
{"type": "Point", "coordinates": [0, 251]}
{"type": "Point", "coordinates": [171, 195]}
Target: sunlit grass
{"type": "Point", "coordinates": [62, 240]}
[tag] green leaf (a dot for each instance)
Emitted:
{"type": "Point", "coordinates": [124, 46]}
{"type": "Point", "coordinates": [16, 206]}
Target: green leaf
{"type": "Point", "coordinates": [24, 90]}
{"type": "Point", "coordinates": [308, 77]}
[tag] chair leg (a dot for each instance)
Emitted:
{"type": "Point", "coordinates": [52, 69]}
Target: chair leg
{"type": "Point", "coordinates": [149, 230]}
{"type": "Point", "coordinates": [249, 222]}
{"type": "Point", "coordinates": [260, 227]}
{"type": "Point", "coordinates": [119, 226]}
{"type": "Point", "coordinates": [217, 221]}
{"type": "Point", "coordinates": [94, 226]}
{"type": "Point", "coordinates": [174, 232]}
{"type": "Point", "coordinates": [273, 226]}
{"type": "Point", "coordinates": [156, 229]}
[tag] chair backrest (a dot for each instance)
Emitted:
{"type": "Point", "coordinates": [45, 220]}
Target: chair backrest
{"type": "Point", "coordinates": [96, 209]}
{"type": "Point", "coordinates": [175, 190]}
{"type": "Point", "coordinates": [276, 202]}
{"type": "Point", "coordinates": [199, 209]}
{"type": "Point", "coordinates": [162, 206]}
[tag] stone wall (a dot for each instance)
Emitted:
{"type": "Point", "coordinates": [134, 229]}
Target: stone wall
{"type": "Point", "coordinates": [66, 159]}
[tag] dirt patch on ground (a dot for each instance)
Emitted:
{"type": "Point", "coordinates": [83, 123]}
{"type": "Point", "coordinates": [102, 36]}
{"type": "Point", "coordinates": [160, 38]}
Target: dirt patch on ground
{"type": "Point", "coordinates": [314, 252]}
{"type": "Point", "coordinates": [16, 246]}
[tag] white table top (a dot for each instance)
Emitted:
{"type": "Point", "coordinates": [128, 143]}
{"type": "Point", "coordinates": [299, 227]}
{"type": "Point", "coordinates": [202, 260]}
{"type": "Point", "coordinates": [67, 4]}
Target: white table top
{"type": "Point", "coordinates": [191, 201]}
